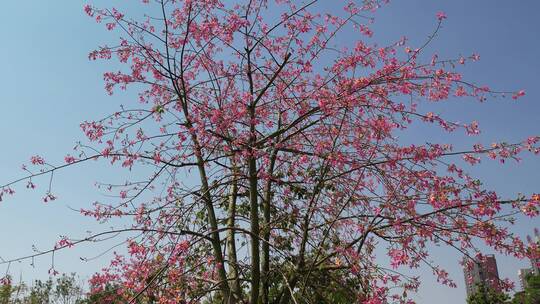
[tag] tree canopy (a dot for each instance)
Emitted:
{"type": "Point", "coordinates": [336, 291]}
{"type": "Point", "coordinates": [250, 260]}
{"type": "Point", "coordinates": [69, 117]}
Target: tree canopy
{"type": "Point", "coordinates": [531, 293]}
{"type": "Point", "coordinates": [269, 129]}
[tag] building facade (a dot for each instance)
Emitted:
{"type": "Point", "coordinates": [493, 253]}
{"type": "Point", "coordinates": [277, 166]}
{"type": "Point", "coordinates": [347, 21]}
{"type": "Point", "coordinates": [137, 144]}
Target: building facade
{"type": "Point", "coordinates": [482, 272]}
{"type": "Point", "coordinates": [535, 262]}
{"type": "Point", "coordinates": [522, 274]}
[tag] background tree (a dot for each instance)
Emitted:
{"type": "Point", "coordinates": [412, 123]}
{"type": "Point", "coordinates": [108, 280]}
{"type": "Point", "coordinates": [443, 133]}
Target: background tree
{"type": "Point", "coordinates": [270, 130]}
{"type": "Point", "coordinates": [62, 290]}
{"type": "Point", "coordinates": [108, 295]}
{"type": "Point", "coordinates": [531, 294]}
{"type": "Point", "coordinates": [6, 290]}
{"type": "Point", "coordinates": [488, 295]}
{"type": "Point", "coordinates": [40, 292]}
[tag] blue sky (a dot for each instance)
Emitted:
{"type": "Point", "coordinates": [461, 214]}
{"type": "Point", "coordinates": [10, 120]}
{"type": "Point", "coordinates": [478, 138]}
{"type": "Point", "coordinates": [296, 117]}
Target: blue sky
{"type": "Point", "coordinates": [48, 86]}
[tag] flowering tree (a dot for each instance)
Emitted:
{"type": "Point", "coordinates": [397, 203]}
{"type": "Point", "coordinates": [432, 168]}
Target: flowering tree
{"type": "Point", "coordinates": [269, 127]}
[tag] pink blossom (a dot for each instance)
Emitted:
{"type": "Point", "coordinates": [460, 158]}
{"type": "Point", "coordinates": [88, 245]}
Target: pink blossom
{"type": "Point", "coordinates": [441, 16]}
{"type": "Point", "coordinates": [88, 10]}
{"type": "Point", "coordinates": [518, 94]}
{"type": "Point", "coordinates": [37, 160]}
{"type": "Point", "coordinates": [69, 159]}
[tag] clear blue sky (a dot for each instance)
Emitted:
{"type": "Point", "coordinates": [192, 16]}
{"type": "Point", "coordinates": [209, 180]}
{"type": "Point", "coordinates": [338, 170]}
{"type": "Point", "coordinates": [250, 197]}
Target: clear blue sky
{"type": "Point", "coordinates": [48, 86]}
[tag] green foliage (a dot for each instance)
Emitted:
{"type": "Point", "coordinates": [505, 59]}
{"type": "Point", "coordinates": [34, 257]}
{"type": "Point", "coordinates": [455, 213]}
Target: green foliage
{"type": "Point", "coordinates": [63, 290]}
{"type": "Point", "coordinates": [40, 293]}
{"type": "Point", "coordinates": [10, 292]}
{"type": "Point", "coordinates": [107, 296]}
{"type": "Point", "coordinates": [328, 288]}
{"type": "Point", "coordinates": [5, 293]}
{"type": "Point", "coordinates": [487, 295]}
{"type": "Point", "coordinates": [531, 294]}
